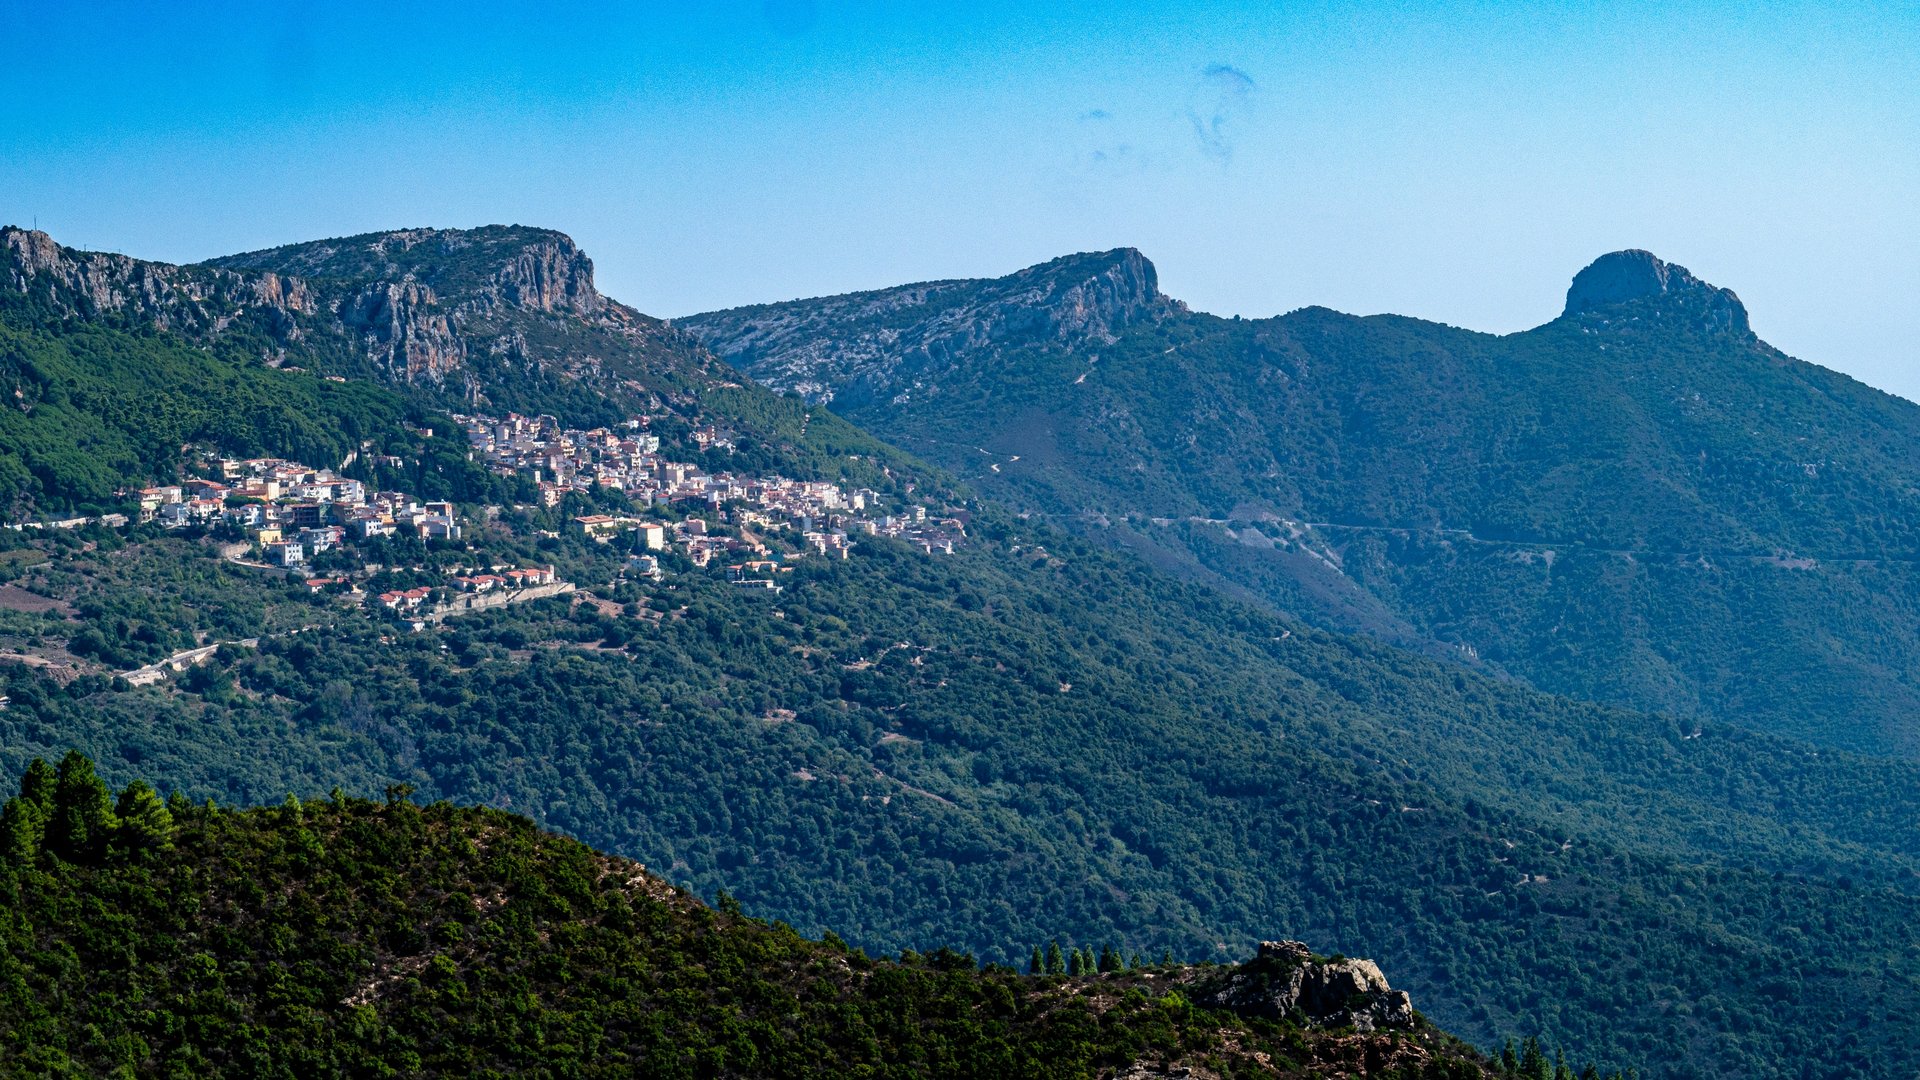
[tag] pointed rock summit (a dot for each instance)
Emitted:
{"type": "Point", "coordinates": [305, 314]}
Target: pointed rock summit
{"type": "Point", "coordinates": [1627, 277]}
{"type": "Point", "coordinates": [911, 340]}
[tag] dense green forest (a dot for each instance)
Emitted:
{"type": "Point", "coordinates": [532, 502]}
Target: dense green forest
{"type": "Point", "coordinates": [1631, 503]}
{"type": "Point", "coordinates": [142, 936]}
{"type": "Point", "coordinates": [93, 409]}
{"type": "Point", "coordinates": [1017, 744]}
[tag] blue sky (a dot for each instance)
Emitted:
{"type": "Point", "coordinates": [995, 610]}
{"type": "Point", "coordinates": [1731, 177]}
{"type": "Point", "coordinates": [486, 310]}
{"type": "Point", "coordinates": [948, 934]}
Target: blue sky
{"type": "Point", "coordinates": [1452, 161]}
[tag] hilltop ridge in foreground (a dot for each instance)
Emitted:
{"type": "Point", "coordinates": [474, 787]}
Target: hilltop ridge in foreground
{"type": "Point", "coordinates": [346, 937]}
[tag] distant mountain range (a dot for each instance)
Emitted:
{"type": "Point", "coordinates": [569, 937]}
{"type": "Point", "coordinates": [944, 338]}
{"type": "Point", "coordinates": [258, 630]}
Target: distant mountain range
{"type": "Point", "coordinates": [1638, 502]}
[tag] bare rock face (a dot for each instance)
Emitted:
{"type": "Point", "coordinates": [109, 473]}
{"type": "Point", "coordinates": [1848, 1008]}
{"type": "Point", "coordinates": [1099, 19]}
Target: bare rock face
{"type": "Point", "coordinates": [1627, 277]}
{"type": "Point", "coordinates": [402, 330]}
{"type": "Point", "coordinates": [88, 284]}
{"type": "Point", "coordinates": [551, 276]}
{"type": "Point", "coordinates": [1284, 980]}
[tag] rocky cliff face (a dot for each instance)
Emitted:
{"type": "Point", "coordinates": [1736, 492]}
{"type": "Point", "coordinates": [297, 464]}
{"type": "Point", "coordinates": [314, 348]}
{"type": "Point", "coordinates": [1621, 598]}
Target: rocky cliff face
{"type": "Point", "coordinates": [448, 308]}
{"type": "Point", "coordinates": [190, 300]}
{"type": "Point", "coordinates": [1640, 279]}
{"type": "Point", "coordinates": [479, 270]}
{"type": "Point", "coordinates": [400, 326]}
{"type": "Point", "coordinates": [880, 345]}
{"type": "Point", "coordinates": [422, 302]}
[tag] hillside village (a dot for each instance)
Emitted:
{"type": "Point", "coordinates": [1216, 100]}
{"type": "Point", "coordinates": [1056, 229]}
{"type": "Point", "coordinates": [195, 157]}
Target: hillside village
{"type": "Point", "coordinates": [277, 514]}
{"type": "Point", "coordinates": [562, 461]}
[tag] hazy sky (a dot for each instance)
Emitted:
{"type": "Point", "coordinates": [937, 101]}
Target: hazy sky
{"type": "Point", "coordinates": [1453, 161]}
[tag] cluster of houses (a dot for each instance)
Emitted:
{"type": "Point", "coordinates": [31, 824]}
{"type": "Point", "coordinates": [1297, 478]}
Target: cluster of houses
{"type": "Point", "coordinates": [497, 579]}
{"type": "Point", "coordinates": [293, 511]}
{"type": "Point", "coordinates": [627, 459]}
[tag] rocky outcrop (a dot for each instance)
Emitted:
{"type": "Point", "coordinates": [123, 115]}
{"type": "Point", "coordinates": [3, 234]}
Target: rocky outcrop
{"type": "Point", "coordinates": [1284, 980]}
{"type": "Point", "coordinates": [1091, 297]}
{"type": "Point", "coordinates": [474, 270]}
{"type": "Point", "coordinates": [1637, 277]}
{"type": "Point", "coordinates": [551, 276]}
{"type": "Point", "coordinates": [909, 340]}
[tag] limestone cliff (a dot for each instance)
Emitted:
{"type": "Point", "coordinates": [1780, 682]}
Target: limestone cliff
{"type": "Point", "coordinates": [186, 299]}
{"type": "Point", "coordinates": [475, 312]}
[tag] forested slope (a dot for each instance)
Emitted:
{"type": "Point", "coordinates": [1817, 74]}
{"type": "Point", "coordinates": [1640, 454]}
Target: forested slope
{"type": "Point", "coordinates": [1007, 746]}
{"type": "Point", "coordinates": [1638, 502]}
{"type": "Point", "coordinates": [142, 937]}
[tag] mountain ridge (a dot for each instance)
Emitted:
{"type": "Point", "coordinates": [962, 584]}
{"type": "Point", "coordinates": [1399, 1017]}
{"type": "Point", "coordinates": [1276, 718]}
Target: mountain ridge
{"type": "Point", "coordinates": [1030, 733]}
{"type": "Point", "coordinates": [1671, 471]}
{"type": "Point", "coordinates": [1091, 296]}
{"type": "Point", "coordinates": [459, 309]}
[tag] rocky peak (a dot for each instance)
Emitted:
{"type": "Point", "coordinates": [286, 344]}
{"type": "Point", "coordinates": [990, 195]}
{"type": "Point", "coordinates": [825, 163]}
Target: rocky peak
{"type": "Point", "coordinates": [1093, 295]}
{"type": "Point", "coordinates": [863, 347]}
{"type": "Point", "coordinates": [28, 250]}
{"type": "Point", "coordinates": [1634, 276]}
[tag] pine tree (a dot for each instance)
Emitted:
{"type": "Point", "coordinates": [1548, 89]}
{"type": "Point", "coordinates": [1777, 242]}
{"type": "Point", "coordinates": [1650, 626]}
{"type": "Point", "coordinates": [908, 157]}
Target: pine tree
{"type": "Point", "coordinates": [1561, 1070]}
{"type": "Point", "coordinates": [83, 820]}
{"type": "Point", "coordinates": [38, 783]}
{"type": "Point", "coordinates": [1509, 1059]}
{"type": "Point", "coordinates": [1056, 963]}
{"type": "Point", "coordinates": [23, 822]}
{"type": "Point", "coordinates": [146, 825]}
{"type": "Point", "coordinates": [23, 828]}
{"type": "Point", "coordinates": [1038, 965]}
{"type": "Point", "coordinates": [1533, 1061]}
